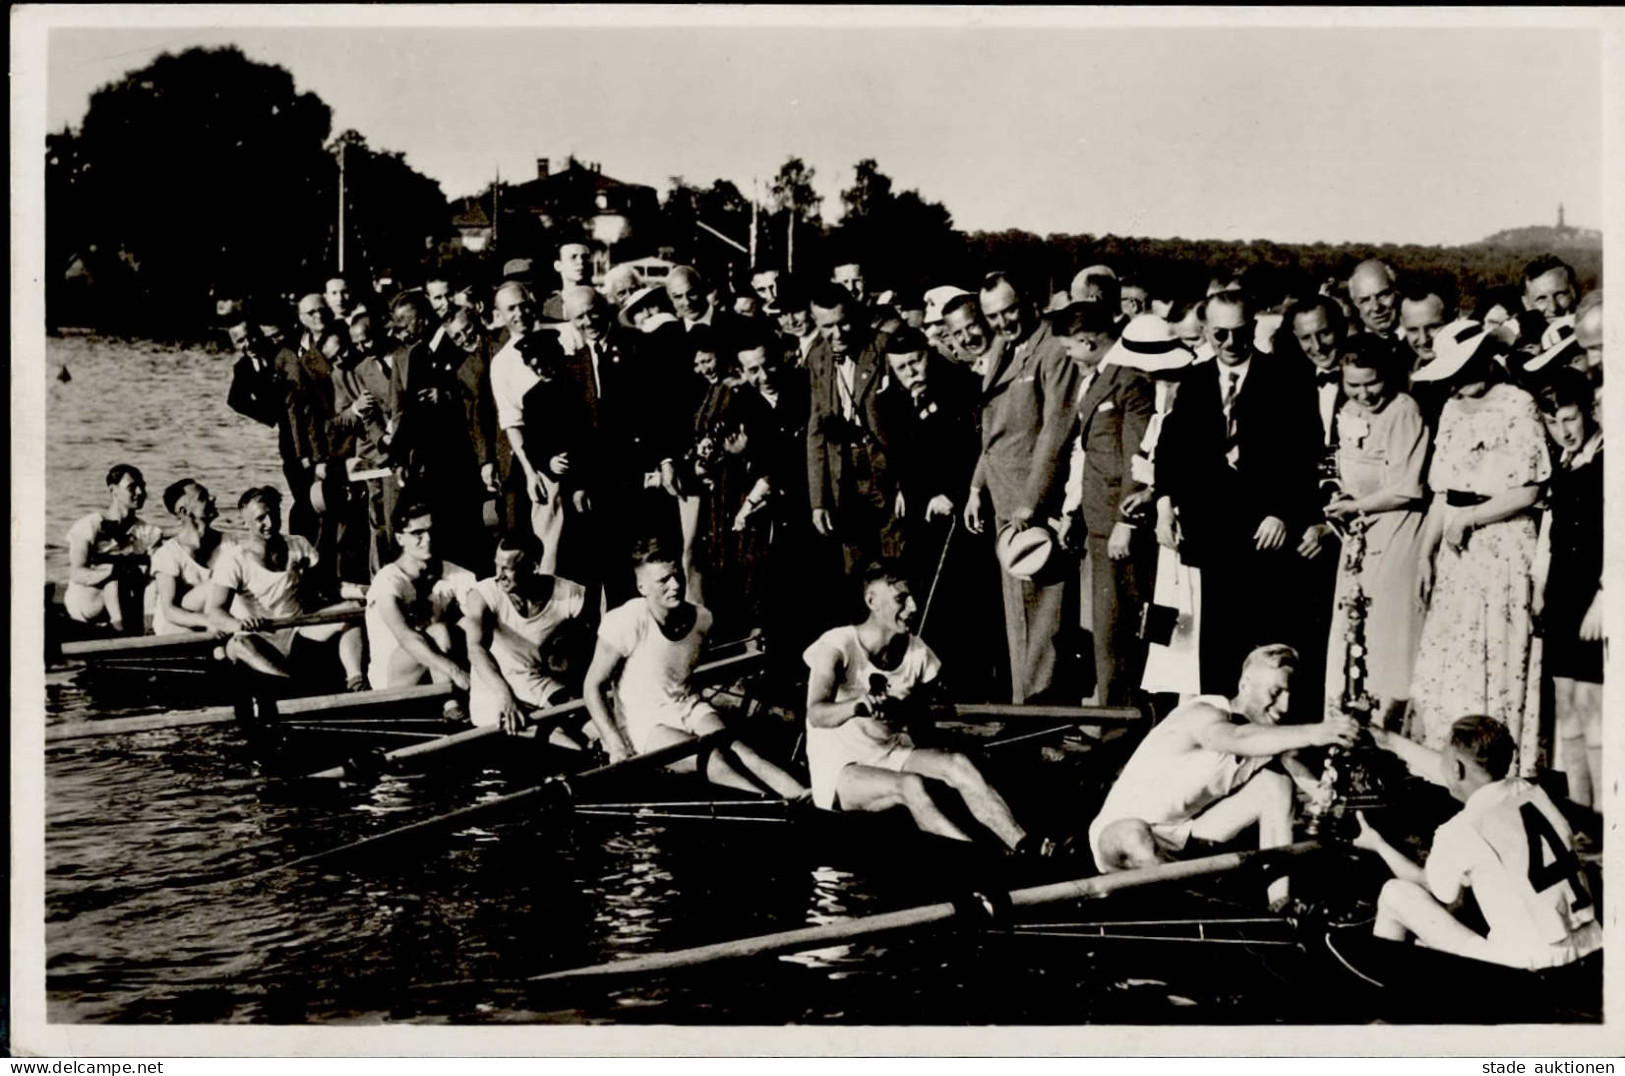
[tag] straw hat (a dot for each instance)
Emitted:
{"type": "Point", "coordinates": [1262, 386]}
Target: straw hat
{"type": "Point", "coordinates": [937, 300]}
{"type": "Point", "coordinates": [1148, 344]}
{"type": "Point", "coordinates": [1557, 342]}
{"type": "Point", "coordinates": [637, 301]}
{"type": "Point", "coordinates": [1453, 347]}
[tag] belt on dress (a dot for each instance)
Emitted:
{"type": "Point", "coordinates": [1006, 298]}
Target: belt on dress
{"type": "Point", "coordinates": [1460, 498]}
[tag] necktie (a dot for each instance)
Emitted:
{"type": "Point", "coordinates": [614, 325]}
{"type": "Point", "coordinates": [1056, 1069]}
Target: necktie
{"type": "Point", "coordinates": [1231, 378]}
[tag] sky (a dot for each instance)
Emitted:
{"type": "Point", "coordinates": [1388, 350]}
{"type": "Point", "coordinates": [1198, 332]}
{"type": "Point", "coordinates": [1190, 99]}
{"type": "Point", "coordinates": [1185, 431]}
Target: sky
{"type": "Point", "coordinates": [1295, 135]}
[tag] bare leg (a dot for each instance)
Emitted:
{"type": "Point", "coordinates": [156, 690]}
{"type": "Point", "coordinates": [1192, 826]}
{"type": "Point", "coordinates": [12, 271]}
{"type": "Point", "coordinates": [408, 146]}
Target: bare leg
{"type": "Point", "coordinates": [256, 654]}
{"type": "Point", "coordinates": [985, 804]}
{"type": "Point", "coordinates": [717, 770]}
{"type": "Point", "coordinates": [1569, 752]}
{"type": "Point", "coordinates": [868, 788]}
{"type": "Point", "coordinates": [1588, 703]}
{"type": "Point", "coordinates": [1405, 909]}
{"type": "Point", "coordinates": [770, 775]}
{"type": "Point", "coordinates": [1266, 800]}
{"type": "Point", "coordinates": [352, 644]}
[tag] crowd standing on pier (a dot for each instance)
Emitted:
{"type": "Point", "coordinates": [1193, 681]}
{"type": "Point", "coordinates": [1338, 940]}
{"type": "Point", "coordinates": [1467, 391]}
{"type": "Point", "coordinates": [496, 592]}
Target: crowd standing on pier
{"type": "Point", "coordinates": [1364, 489]}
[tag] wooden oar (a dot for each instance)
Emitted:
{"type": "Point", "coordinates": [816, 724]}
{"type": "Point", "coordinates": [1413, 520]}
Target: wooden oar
{"type": "Point", "coordinates": [186, 640]}
{"type": "Point", "coordinates": [541, 717]}
{"type": "Point", "coordinates": [922, 915]}
{"type": "Point", "coordinates": [346, 703]}
{"type": "Point", "coordinates": [558, 790]}
{"type": "Point", "coordinates": [1083, 715]}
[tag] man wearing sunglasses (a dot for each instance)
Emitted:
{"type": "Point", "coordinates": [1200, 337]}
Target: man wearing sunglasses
{"type": "Point", "coordinates": [1237, 487]}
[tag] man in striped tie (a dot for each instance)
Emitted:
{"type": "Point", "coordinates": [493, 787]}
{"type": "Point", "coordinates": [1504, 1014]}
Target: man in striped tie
{"type": "Point", "coordinates": [1236, 468]}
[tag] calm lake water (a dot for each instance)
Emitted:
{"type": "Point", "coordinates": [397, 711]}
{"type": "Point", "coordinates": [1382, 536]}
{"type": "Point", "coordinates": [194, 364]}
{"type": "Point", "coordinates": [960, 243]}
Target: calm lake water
{"type": "Point", "coordinates": [447, 929]}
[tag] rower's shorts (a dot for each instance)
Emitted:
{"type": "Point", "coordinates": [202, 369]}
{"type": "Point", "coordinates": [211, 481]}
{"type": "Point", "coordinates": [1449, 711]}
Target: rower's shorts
{"type": "Point", "coordinates": [826, 792]}
{"type": "Point", "coordinates": [484, 708]}
{"type": "Point", "coordinates": [685, 717]}
{"type": "Point", "coordinates": [1171, 836]}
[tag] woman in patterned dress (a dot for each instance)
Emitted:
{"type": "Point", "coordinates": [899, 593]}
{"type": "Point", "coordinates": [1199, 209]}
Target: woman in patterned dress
{"type": "Point", "coordinates": [1382, 446]}
{"type": "Point", "coordinates": [1478, 548]}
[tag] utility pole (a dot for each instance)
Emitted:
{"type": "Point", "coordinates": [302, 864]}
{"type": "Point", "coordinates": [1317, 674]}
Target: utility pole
{"type": "Point", "coordinates": [790, 240]}
{"type": "Point", "coordinates": [496, 192]}
{"type": "Point", "coordinates": [755, 186]}
{"type": "Point", "coordinates": [341, 205]}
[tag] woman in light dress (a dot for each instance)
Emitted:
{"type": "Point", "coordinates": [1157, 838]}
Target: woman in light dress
{"type": "Point", "coordinates": [1382, 447]}
{"type": "Point", "coordinates": [1475, 572]}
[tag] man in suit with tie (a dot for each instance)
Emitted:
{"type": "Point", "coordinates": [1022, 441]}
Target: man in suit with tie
{"type": "Point", "coordinates": [1236, 475]}
{"type": "Point", "coordinates": [850, 486]}
{"type": "Point", "coordinates": [1115, 403]}
{"type": "Point", "coordinates": [266, 387]}
{"type": "Point", "coordinates": [1029, 401]}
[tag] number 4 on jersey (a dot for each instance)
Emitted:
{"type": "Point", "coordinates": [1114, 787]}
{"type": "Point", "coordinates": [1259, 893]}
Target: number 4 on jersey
{"type": "Point", "coordinates": [1564, 865]}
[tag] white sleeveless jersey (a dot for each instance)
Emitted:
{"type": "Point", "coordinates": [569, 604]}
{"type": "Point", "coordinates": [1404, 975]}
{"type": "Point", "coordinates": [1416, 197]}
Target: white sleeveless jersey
{"type": "Point", "coordinates": [1513, 847]}
{"type": "Point", "coordinates": [517, 640]}
{"type": "Point", "coordinates": [1171, 778]}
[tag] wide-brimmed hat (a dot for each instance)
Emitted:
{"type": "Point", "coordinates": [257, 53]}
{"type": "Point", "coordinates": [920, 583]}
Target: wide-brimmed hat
{"type": "Point", "coordinates": [1453, 347]}
{"type": "Point", "coordinates": [1557, 343]}
{"type": "Point", "coordinates": [937, 300]}
{"type": "Point", "coordinates": [1148, 344]}
{"type": "Point", "coordinates": [1026, 552]}
{"type": "Point", "coordinates": [641, 299]}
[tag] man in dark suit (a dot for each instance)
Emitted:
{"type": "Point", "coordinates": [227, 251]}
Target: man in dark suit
{"type": "Point", "coordinates": [1115, 404]}
{"type": "Point", "coordinates": [850, 487]}
{"type": "Point", "coordinates": [1029, 400]}
{"type": "Point", "coordinates": [1236, 474]}
{"type": "Point", "coordinates": [265, 387]}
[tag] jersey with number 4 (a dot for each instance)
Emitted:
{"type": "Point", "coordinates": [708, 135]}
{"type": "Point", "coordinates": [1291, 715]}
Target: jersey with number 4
{"type": "Point", "coordinates": [1513, 847]}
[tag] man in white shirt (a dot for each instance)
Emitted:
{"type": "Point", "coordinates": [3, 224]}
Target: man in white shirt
{"type": "Point", "coordinates": [412, 604]}
{"type": "Point", "coordinates": [1509, 844]}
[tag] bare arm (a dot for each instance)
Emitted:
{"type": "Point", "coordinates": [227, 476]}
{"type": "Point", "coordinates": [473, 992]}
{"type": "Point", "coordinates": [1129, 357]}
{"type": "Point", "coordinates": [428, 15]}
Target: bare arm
{"type": "Point", "coordinates": [167, 599]}
{"type": "Point", "coordinates": [1399, 863]}
{"type": "Point", "coordinates": [215, 611]}
{"type": "Point", "coordinates": [1252, 741]}
{"type": "Point", "coordinates": [823, 712]}
{"type": "Point", "coordinates": [80, 568]}
{"type": "Point", "coordinates": [606, 662]}
{"type": "Point", "coordinates": [415, 643]}
{"type": "Point", "coordinates": [476, 635]}
{"type": "Point", "coordinates": [1422, 761]}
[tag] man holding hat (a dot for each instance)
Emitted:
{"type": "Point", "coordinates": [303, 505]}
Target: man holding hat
{"type": "Point", "coordinates": [1029, 401]}
{"type": "Point", "coordinates": [1115, 404]}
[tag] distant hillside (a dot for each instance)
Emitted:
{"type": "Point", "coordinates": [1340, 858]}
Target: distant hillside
{"type": "Point", "coordinates": [1545, 237]}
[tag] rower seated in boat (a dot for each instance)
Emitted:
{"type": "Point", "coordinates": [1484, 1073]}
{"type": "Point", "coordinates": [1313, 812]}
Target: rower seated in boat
{"type": "Point", "coordinates": [1509, 844]}
{"type": "Point", "coordinates": [412, 604]}
{"type": "Point", "coordinates": [648, 648]}
{"type": "Point", "coordinates": [181, 566]}
{"type": "Point", "coordinates": [266, 576]}
{"type": "Point", "coordinates": [1202, 774]}
{"type": "Point", "coordinates": [509, 622]}
{"type": "Point", "coordinates": [108, 557]}
{"type": "Point", "coordinates": [862, 679]}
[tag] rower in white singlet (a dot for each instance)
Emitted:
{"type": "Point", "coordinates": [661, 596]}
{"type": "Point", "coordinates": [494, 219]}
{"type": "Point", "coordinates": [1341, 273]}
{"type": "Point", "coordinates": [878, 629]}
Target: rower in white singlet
{"type": "Point", "coordinates": [859, 676]}
{"type": "Point", "coordinates": [1201, 774]}
{"type": "Point", "coordinates": [1509, 844]}
{"type": "Point", "coordinates": [181, 566]}
{"type": "Point", "coordinates": [412, 604]}
{"type": "Point", "coordinates": [647, 649]}
{"type": "Point", "coordinates": [508, 622]}
{"type": "Point", "coordinates": [108, 556]}
{"type": "Point", "coordinates": [268, 575]}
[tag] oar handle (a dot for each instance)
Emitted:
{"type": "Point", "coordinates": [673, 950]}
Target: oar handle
{"type": "Point", "coordinates": [1091, 715]}
{"type": "Point", "coordinates": [141, 644]}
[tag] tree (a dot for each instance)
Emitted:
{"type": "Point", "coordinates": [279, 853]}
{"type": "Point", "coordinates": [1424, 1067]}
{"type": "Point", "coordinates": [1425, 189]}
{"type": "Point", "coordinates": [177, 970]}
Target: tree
{"type": "Point", "coordinates": [870, 193]}
{"type": "Point", "coordinates": [902, 240]}
{"type": "Point", "coordinates": [792, 192]}
{"type": "Point", "coordinates": [203, 169]}
{"type": "Point", "coordinates": [394, 214]}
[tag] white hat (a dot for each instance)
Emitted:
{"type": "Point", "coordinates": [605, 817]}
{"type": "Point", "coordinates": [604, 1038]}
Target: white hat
{"type": "Point", "coordinates": [937, 300]}
{"type": "Point", "coordinates": [1453, 347]}
{"type": "Point", "coordinates": [1025, 552]}
{"type": "Point", "coordinates": [1554, 342]}
{"type": "Point", "coordinates": [1148, 344]}
{"type": "Point", "coordinates": [1264, 329]}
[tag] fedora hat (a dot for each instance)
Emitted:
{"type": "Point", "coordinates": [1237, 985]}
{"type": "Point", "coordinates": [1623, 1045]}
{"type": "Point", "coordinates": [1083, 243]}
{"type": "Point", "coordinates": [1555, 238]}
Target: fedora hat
{"type": "Point", "coordinates": [1454, 346]}
{"type": "Point", "coordinates": [1026, 552]}
{"type": "Point", "coordinates": [1148, 344]}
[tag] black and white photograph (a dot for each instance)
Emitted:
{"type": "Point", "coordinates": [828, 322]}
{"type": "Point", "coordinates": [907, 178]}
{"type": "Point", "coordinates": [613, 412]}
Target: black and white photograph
{"type": "Point", "coordinates": [909, 531]}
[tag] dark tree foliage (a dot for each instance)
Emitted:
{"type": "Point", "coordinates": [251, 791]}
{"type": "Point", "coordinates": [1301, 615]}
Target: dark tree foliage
{"type": "Point", "coordinates": [902, 240]}
{"type": "Point", "coordinates": [394, 215]}
{"type": "Point", "coordinates": [204, 174]}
